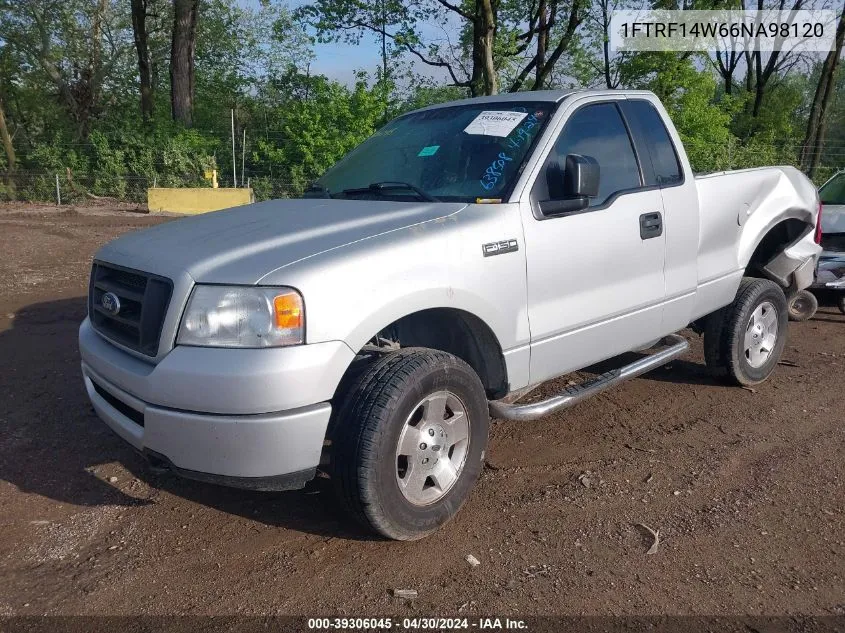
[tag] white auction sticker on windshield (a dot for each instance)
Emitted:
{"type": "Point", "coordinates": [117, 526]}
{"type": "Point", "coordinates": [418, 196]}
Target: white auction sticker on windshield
{"type": "Point", "coordinates": [495, 123]}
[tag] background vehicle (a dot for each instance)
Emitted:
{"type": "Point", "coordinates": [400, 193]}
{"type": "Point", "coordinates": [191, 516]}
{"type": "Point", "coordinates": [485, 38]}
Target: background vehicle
{"type": "Point", "coordinates": [459, 257]}
{"type": "Point", "coordinates": [831, 272]}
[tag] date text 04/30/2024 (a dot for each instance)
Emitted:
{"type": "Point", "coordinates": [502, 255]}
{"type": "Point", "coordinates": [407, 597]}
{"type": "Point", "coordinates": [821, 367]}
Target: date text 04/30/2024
{"type": "Point", "coordinates": [422, 623]}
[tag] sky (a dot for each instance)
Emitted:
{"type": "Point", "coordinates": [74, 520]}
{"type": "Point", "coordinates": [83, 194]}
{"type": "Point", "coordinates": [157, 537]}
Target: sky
{"type": "Point", "coordinates": [337, 61]}
{"type": "Point", "coordinates": [340, 61]}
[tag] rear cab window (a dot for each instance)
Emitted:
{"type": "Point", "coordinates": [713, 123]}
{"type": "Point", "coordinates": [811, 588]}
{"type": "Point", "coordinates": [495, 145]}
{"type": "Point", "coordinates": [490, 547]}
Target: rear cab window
{"type": "Point", "coordinates": [660, 163]}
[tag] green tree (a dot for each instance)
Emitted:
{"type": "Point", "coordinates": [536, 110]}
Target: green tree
{"type": "Point", "coordinates": [533, 37]}
{"type": "Point", "coordinates": [320, 123]}
{"type": "Point", "coordinates": [77, 46]}
{"type": "Point", "coordinates": [402, 23]}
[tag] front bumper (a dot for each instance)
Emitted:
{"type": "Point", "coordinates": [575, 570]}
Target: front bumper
{"type": "Point", "coordinates": [236, 417]}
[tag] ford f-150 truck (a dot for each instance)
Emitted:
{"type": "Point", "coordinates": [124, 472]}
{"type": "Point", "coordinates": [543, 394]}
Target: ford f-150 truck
{"type": "Point", "coordinates": [461, 256]}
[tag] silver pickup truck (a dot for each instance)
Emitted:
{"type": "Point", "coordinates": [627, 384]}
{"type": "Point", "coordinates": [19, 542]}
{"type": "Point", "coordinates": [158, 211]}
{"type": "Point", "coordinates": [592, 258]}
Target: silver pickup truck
{"type": "Point", "coordinates": [459, 257]}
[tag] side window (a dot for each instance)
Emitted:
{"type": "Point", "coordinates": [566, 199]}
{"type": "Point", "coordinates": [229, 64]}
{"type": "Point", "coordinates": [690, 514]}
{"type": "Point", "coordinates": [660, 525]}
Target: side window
{"type": "Point", "coordinates": [598, 131]}
{"type": "Point", "coordinates": [650, 130]}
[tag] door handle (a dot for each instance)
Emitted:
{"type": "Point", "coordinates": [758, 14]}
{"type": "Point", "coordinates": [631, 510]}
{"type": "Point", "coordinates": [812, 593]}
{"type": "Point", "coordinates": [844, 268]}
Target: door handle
{"type": "Point", "coordinates": [651, 225]}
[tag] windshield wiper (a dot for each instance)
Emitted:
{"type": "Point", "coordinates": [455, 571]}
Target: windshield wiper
{"type": "Point", "coordinates": [389, 185]}
{"type": "Point", "coordinates": [316, 191]}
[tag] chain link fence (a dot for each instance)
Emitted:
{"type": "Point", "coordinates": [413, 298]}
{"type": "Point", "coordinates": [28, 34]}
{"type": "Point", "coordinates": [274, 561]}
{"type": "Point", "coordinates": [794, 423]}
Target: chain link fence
{"type": "Point", "coordinates": [62, 187]}
{"type": "Point", "coordinates": [65, 186]}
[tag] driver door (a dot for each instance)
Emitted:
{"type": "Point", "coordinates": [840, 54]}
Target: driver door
{"type": "Point", "coordinates": [595, 277]}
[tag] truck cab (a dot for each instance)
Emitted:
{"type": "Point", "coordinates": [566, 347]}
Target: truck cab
{"type": "Point", "coordinates": [630, 254]}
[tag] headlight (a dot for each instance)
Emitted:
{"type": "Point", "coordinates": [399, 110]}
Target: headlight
{"type": "Point", "coordinates": [242, 316]}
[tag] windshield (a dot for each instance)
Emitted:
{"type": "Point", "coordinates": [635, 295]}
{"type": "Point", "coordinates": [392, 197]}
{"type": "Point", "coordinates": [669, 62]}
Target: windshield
{"type": "Point", "coordinates": [833, 191]}
{"type": "Point", "coordinates": [458, 153]}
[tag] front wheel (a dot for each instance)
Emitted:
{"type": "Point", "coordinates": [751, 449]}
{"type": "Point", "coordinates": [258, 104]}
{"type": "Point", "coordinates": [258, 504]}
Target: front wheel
{"type": "Point", "coordinates": [841, 303]}
{"type": "Point", "coordinates": [409, 442]}
{"type": "Point", "coordinates": [743, 341]}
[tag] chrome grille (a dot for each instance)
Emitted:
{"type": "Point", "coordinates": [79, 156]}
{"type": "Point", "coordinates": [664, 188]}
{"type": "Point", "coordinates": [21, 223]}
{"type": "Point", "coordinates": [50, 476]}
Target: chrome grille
{"type": "Point", "coordinates": [143, 304]}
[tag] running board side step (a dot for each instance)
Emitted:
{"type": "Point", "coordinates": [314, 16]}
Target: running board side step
{"type": "Point", "coordinates": [677, 346]}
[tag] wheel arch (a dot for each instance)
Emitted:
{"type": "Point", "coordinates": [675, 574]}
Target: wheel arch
{"type": "Point", "coordinates": [457, 332]}
{"type": "Point", "coordinates": [451, 330]}
{"type": "Point", "coordinates": [758, 257]}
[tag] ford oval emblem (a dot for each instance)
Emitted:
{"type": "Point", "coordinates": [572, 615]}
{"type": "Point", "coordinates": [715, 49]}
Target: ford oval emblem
{"type": "Point", "coordinates": [110, 303]}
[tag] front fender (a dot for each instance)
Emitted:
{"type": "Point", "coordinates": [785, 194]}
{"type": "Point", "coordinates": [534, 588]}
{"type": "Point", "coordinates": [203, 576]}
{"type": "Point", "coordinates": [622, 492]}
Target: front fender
{"type": "Point", "coordinates": [352, 293]}
{"type": "Point", "coordinates": [402, 306]}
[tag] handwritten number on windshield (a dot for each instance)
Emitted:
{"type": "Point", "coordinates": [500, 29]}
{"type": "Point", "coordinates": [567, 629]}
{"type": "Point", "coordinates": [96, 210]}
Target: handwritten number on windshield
{"type": "Point", "coordinates": [496, 170]}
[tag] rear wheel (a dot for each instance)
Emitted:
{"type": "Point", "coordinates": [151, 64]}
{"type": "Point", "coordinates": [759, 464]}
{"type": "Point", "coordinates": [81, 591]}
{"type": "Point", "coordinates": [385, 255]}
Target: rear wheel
{"type": "Point", "coordinates": [743, 341]}
{"type": "Point", "coordinates": [409, 443]}
{"type": "Point", "coordinates": [802, 305]}
{"type": "Point", "coordinates": [842, 304]}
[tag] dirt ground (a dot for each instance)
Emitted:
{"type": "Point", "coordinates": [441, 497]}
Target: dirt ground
{"type": "Point", "coordinates": [746, 488]}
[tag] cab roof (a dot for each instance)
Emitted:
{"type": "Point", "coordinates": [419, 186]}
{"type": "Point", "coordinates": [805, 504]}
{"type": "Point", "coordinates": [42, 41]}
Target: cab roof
{"type": "Point", "coordinates": [550, 96]}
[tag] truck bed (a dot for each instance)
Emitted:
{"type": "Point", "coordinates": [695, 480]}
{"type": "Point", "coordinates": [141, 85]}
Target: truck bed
{"type": "Point", "coordinates": [735, 209]}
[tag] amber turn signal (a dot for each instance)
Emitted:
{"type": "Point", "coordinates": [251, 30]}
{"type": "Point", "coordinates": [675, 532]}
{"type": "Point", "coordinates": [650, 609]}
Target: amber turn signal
{"type": "Point", "coordinates": [288, 311]}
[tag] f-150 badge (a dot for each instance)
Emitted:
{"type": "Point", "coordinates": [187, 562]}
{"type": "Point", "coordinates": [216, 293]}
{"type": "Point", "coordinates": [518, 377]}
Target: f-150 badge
{"type": "Point", "coordinates": [499, 248]}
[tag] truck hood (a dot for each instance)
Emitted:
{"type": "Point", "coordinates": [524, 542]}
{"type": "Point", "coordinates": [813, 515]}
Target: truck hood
{"type": "Point", "coordinates": [244, 244]}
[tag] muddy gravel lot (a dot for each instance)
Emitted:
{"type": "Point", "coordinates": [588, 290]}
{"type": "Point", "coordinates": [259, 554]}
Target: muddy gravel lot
{"type": "Point", "coordinates": [746, 488]}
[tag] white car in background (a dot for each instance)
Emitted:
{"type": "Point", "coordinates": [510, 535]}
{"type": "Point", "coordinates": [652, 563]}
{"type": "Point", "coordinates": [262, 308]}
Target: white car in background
{"type": "Point", "coordinates": [830, 275]}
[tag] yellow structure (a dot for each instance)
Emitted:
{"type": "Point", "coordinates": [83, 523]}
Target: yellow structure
{"type": "Point", "coordinates": [192, 200]}
{"type": "Point", "coordinates": [211, 174]}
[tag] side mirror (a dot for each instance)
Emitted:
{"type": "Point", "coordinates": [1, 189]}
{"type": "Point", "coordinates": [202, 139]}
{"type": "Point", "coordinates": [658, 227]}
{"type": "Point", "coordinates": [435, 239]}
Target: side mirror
{"type": "Point", "coordinates": [571, 185]}
{"type": "Point", "coordinates": [580, 176]}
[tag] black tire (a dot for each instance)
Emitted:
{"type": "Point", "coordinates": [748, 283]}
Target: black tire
{"type": "Point", "coordinates": [841, 304]}
{"type": "Point", "coordinates": [369, 423]}
{"type": "Point", "coordinates": [725, 329]}
{"type": "Point", "coordinates": [802, 305]}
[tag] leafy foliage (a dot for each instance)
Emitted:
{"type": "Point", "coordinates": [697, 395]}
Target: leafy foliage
{"type": "Point", "coordinates": [317, 131]}
{"type": "Point", "coordinates": [69, 89]}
